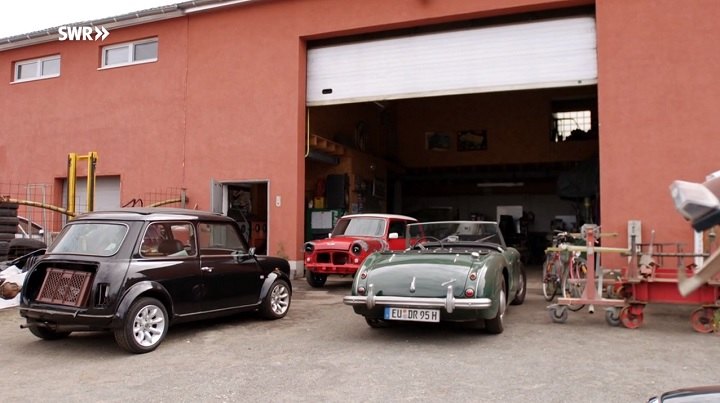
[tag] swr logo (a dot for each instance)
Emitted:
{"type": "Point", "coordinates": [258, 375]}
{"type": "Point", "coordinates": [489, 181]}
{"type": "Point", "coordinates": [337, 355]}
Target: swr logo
{"type": "Point", "coordinates": [82, 33]}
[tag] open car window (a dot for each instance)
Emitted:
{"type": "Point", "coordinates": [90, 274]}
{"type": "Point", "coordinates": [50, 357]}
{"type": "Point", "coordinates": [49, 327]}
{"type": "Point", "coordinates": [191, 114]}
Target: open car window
{"type": "Point", "coordinates": [220, 238]}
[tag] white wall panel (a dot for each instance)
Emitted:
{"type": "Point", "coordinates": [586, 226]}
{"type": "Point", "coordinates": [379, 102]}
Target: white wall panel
{"type": "Point", "coordinates": [550, 53]}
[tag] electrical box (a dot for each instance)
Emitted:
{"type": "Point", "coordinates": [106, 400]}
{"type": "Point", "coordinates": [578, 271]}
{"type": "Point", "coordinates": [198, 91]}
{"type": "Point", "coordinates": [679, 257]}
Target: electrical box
{"type": "Point", "coordinates": [634, 229]}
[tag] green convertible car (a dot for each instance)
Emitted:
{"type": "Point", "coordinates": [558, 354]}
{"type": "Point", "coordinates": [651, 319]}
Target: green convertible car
{"type": "Point", "coordinates": [456, 271]}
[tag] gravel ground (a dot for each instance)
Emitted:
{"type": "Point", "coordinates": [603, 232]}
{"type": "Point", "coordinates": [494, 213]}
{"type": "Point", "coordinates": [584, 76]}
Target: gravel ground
{"type": "Point", "coordinates": [322, 351]}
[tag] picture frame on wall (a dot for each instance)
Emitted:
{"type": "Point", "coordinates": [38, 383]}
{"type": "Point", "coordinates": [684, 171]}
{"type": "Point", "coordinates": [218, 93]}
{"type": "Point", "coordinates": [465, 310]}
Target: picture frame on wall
{"type": "Point", "coordinates": [472, 140]}
{"type": "Point", "coordinates": [437, 141]}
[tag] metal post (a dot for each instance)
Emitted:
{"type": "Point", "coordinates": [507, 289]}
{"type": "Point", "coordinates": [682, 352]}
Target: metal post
{"type": "Point", "coordinates": [92, 158]}
{"type": "Point", "coordinates": [72, 182]}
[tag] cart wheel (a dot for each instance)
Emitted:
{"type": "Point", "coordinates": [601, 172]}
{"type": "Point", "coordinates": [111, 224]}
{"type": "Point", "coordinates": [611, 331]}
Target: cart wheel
{"type": "Point", "coordinates": [612, 316]}
{"type": "Point", "coordinates": [559, 314]}
{"type": "Point", "coordinates": [631, 317]}
{"type": "Point", "coordinates": [702, 319]}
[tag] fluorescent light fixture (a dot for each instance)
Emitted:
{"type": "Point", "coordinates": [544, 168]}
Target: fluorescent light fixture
{"type": "Point", "coordinates": [500, 184]}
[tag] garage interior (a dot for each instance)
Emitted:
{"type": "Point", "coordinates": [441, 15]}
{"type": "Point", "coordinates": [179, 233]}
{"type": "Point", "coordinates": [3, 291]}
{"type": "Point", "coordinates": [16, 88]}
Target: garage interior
{"type": "Point", "coordinates": [524, 155]}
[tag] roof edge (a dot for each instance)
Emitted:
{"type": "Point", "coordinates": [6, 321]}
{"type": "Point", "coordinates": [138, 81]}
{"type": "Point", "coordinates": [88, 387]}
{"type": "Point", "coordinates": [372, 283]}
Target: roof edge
{"type": "Point", "coordinates": [120, 21]}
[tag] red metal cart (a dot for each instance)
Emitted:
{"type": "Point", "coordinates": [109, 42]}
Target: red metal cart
{"type": "Point", "coordinates": [646, 280]}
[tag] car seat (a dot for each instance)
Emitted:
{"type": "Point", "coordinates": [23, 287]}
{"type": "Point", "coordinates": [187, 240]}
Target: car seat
{"type": "Point", "coordinates": [170, 246]}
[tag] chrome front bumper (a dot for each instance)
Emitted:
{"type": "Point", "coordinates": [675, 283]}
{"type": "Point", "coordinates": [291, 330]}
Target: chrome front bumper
{"type": "Point", "coordinates": [450, 303]}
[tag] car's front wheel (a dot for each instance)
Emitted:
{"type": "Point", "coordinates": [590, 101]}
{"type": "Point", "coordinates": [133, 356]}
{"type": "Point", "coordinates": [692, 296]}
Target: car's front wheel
{"type": "Point", "coordinates": [316, 280]}
{"type": "Point", "coordinates": [46, 333]}
{"type": "Point", "coordinates": [144, 326]}
{"type": "Point", "coordinates": [277, 301]}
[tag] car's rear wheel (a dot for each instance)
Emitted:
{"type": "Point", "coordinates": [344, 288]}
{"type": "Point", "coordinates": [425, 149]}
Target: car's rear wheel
{"type": "Point", "coordinates": [316, 280]}
{"type": "Point", "coordinates": [377, 323]}
{"type": "Point", "coordinates": [144, 326]}
{"type": "Point", "coordinates": [47, 333]}
{"type": "Point", "coordinates": [496, 324]}
{"type": "Point", "coordinates": [522, 290]}
{"type": "Point", "coordinates": [277, 301]}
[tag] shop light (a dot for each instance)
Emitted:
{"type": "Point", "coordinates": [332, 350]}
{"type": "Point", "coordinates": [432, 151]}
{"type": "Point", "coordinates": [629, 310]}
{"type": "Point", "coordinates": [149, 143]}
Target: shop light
{"type": "Point", "coordinates": [500, 184]}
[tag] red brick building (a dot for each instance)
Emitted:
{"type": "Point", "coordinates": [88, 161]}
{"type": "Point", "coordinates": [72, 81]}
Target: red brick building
{"type": "Point", "coordinates": [256, 107]}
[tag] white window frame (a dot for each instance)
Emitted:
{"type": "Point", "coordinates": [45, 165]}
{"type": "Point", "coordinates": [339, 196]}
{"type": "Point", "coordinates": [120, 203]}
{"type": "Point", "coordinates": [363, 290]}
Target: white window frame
{"type": "Point", "coordinates": [39, 62]}
{"type": "Point", "coordinates": [131, 52]}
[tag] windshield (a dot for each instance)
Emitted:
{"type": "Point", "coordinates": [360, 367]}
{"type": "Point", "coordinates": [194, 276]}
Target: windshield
{"type": "Point", "coordinates": [455, 232]}
{"type": "Point", "coordinates": [90, 238]}
{"type": "Point", "coordinates": [360, 226]}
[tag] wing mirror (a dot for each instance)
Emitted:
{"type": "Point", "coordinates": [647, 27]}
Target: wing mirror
{"type": "Point", "coordinates": [241, 256]}
{"type": "Point", "coordinates": [393, 235]}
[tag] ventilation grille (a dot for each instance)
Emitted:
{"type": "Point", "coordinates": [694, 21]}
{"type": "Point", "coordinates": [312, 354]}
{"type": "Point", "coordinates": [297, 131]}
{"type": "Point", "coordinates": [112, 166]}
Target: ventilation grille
{"type": "Point", "coordinates": [65, 287]}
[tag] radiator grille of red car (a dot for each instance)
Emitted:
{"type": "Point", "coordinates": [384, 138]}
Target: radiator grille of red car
{"type": "Point", "coordinates": [337, 258]}
{"type": "Point", "coordinates": [65, 287]}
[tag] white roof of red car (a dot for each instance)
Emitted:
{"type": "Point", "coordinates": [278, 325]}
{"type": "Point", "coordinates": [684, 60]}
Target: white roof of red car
{"type": "Point", "coordinates": [398, 216]}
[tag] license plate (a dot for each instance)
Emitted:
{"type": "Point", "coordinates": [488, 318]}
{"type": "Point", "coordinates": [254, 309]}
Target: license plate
{"type": "Point", "coordinates": [412, 314]}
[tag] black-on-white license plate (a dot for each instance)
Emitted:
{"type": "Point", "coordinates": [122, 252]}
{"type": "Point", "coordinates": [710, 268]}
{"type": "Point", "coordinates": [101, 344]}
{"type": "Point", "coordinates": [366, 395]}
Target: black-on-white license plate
{"type": "Point", "coordinates": [412, 314]}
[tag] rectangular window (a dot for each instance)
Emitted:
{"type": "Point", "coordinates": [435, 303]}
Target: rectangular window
{"type": "Point", "coordinates": [574, 120]}
{"type": "Point", "coordinates": [122, 54]}
{"type": "Point", "coordinates": [36, 69]}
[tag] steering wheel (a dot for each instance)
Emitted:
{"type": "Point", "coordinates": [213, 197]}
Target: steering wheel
{"type": "Point", "coordinates": [419, 242]}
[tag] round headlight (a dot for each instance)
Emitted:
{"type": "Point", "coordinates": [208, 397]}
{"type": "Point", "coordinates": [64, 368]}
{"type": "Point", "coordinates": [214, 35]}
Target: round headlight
{"type": "Point", "coordinates": [356, 249]}
{"type": "Point", "coordinates": [309, 247]}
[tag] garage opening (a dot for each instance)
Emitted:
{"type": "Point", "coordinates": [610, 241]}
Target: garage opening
{"type": "Point", "coordinates": [491, 122]}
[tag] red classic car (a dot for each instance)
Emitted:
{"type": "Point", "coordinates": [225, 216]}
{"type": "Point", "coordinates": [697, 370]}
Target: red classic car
{"type": "Point", "coordinates": [353, 239]}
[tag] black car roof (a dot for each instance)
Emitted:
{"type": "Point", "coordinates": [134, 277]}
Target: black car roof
{"type": "Point", "coordinates": [151, 213]}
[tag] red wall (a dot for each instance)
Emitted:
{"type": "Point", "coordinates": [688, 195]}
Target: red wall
{"type": "Point", "coordinates": [226, 99]}
{"type": "Point", "coordinates": [658, 108]}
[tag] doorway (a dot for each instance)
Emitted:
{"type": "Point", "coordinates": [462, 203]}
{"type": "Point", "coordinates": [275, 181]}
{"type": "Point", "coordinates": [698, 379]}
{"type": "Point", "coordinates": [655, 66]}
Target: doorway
{"type": "Point", "coordinates": [247, 203]}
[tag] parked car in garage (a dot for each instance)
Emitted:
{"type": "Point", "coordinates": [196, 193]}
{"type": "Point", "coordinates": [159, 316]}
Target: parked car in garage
{"type": "Point", "coordinates": [351, 241]}
{"type": "Point", "coordinates": [456, 271]}
{"type": "Point", "coordinates": [137, 271]}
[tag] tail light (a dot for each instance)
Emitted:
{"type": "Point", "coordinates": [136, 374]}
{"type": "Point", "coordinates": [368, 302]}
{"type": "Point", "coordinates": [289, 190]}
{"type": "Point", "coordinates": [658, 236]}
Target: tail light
{"type": "Point", "coordinates": [469, 292]}
{"type": "Point", "coordinates": [361, 290]}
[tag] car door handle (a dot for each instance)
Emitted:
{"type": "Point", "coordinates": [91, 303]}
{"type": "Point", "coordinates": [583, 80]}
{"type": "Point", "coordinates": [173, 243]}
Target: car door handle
{"type": "Point", "coordinates": [207, 269]}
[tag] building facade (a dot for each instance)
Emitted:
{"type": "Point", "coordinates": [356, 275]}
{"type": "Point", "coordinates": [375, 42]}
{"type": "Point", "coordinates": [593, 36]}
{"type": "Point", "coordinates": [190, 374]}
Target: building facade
{"type": "Point", "coordinates": [221, 99]}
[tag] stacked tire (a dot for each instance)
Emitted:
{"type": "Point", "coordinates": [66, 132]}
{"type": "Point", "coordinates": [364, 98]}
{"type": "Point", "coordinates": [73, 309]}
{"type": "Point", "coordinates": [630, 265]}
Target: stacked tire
{"type": "Point", "coordinates": [8, 227]}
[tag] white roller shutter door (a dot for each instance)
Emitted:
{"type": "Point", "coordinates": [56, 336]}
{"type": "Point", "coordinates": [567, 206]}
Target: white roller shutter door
{"type": "Point", "coordinates": [544, 54]}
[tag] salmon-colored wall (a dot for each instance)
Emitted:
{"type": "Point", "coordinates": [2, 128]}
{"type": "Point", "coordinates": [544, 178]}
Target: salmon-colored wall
{"type": "Point", "coordinates": [132, 116]}
{"type": "Point", "coordinates": [658, 105]}
{"type": "Point", "coordinates": [226, 99]}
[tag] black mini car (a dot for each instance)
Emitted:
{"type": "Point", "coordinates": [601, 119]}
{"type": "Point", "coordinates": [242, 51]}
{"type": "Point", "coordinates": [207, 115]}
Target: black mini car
{"type": "Point", "coordinates": [136, 271]}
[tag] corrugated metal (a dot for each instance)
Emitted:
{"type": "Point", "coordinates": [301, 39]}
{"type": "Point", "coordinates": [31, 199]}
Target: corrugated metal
{"type": "Point", "coordinates": [551, 53]}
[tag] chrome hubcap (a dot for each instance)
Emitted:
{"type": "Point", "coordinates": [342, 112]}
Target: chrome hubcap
{"type": "Point", "coordinates": [279, 299]}
{"type": "Point", "coordinates": [149, 325]}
